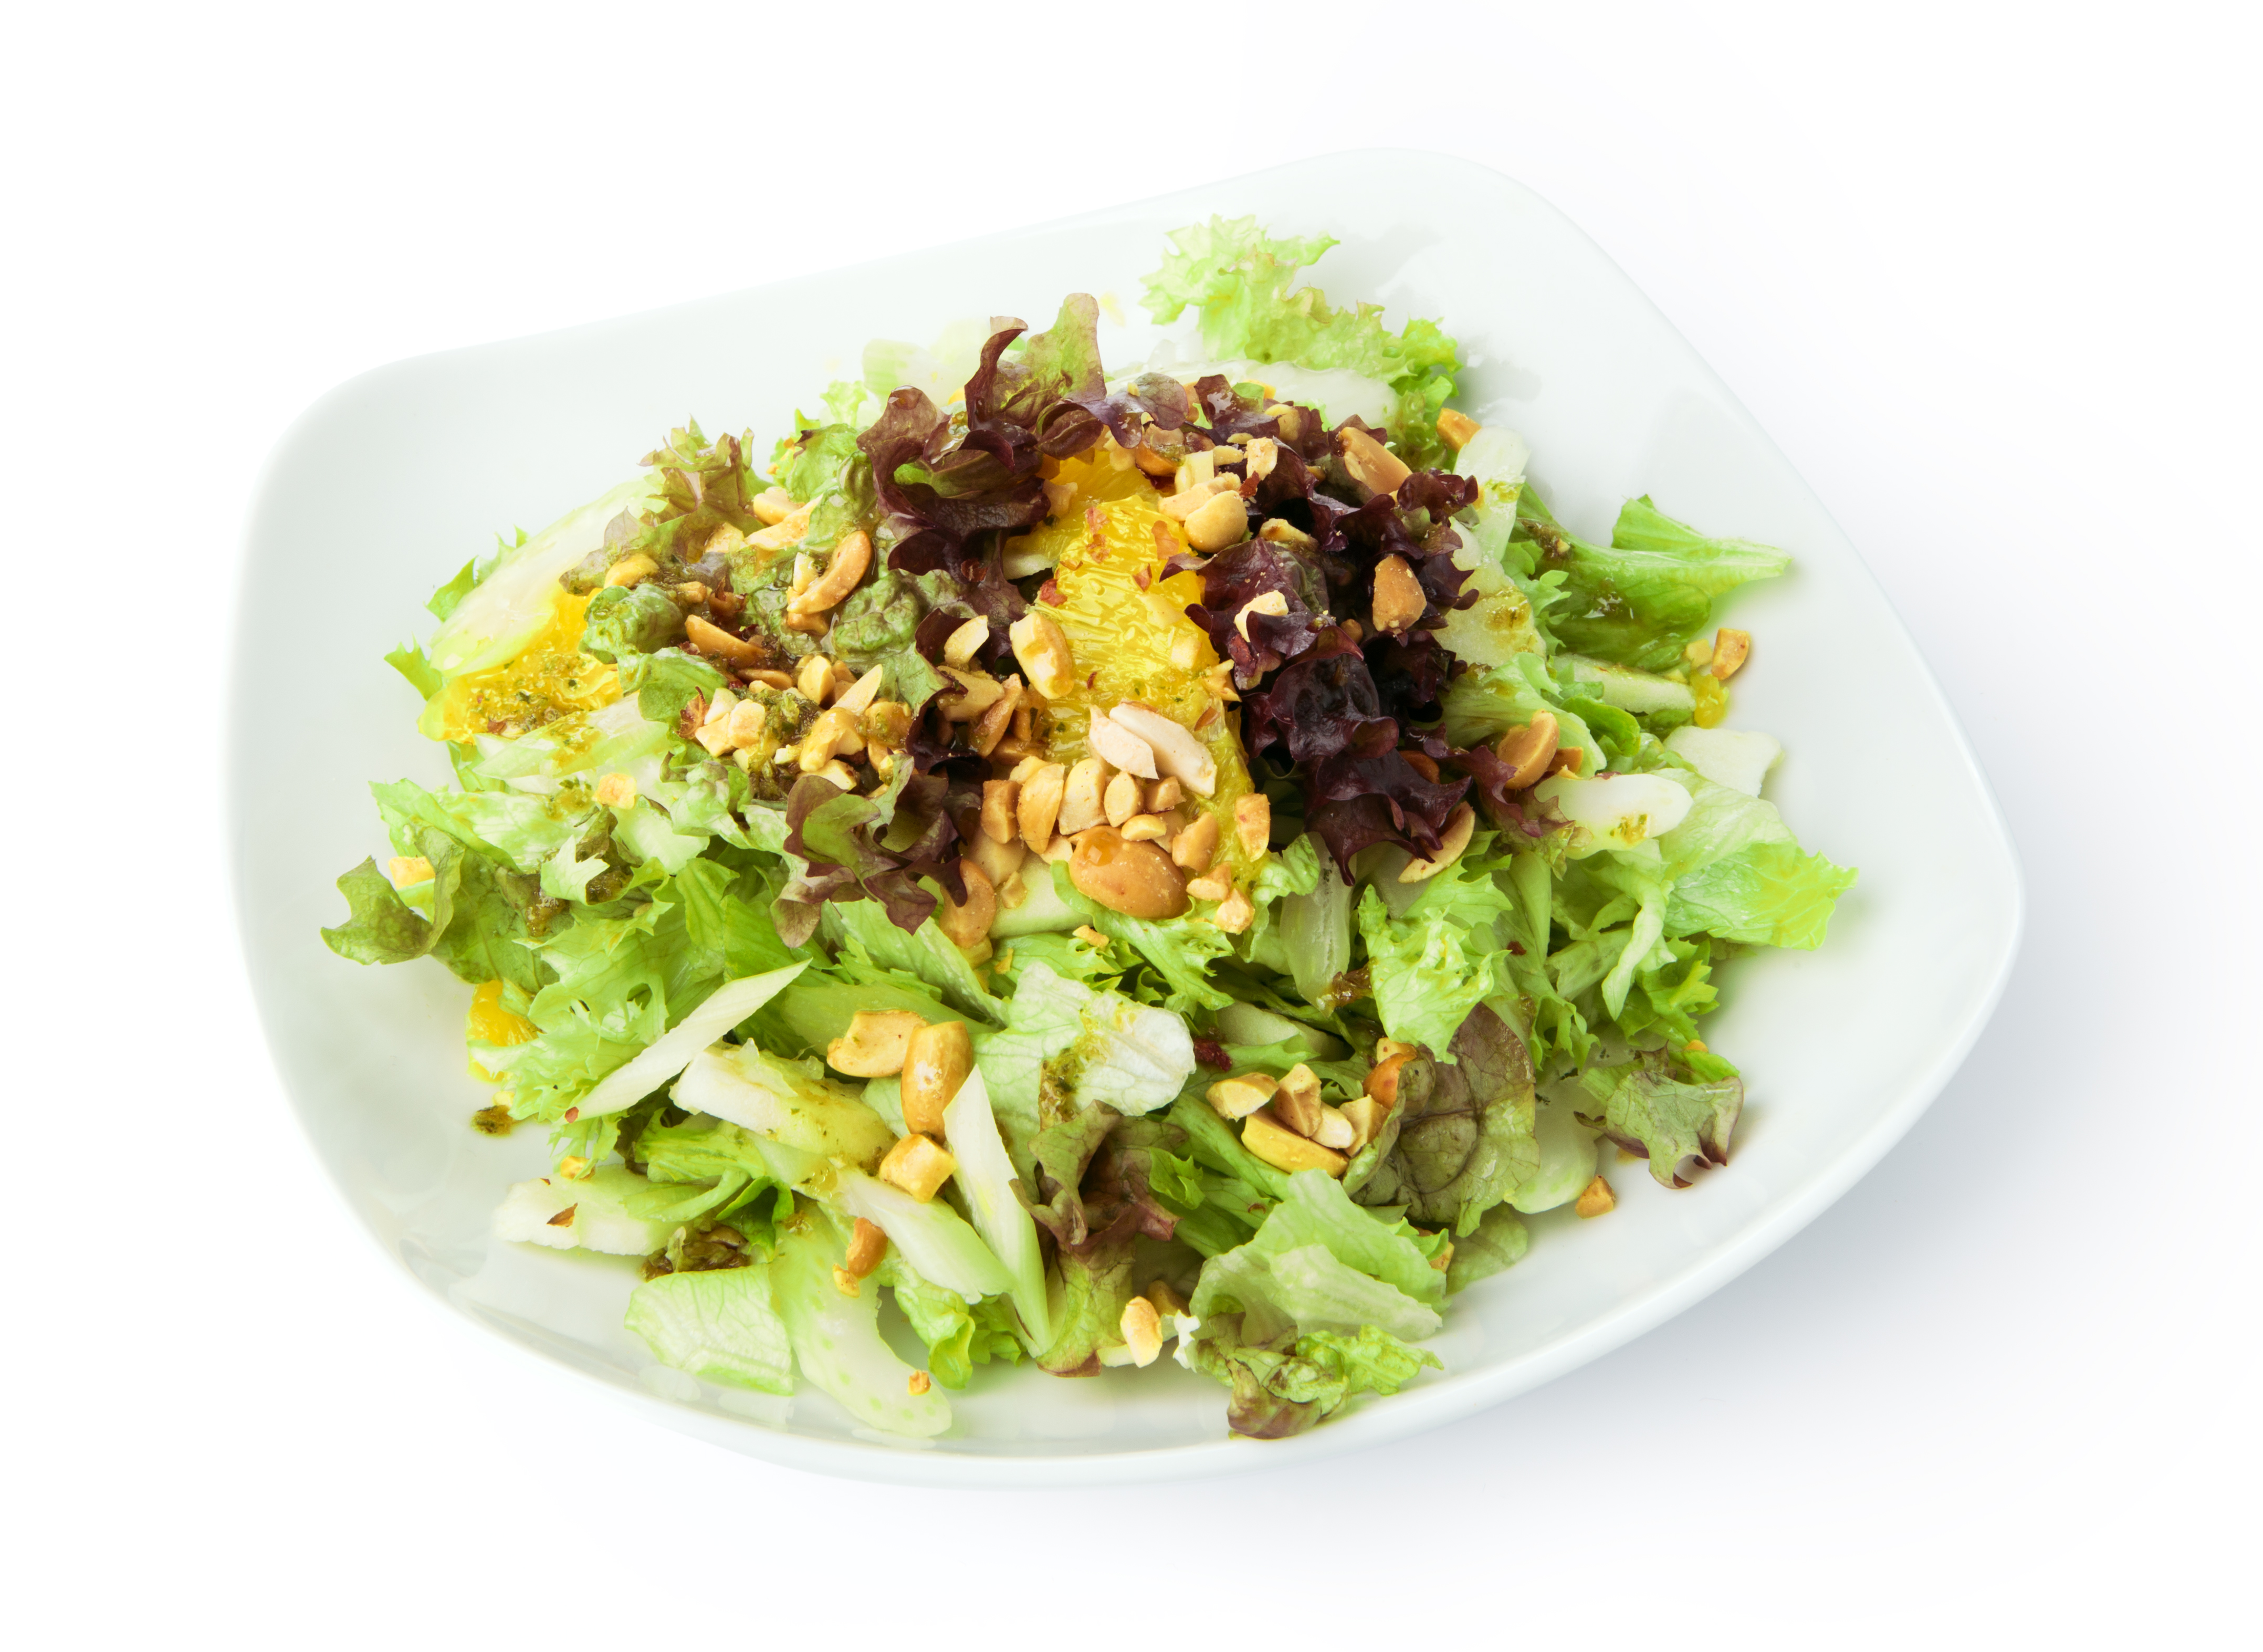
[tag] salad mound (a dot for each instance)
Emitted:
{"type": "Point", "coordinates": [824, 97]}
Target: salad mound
{"type": "Point", "coordinates": [1188, 857]}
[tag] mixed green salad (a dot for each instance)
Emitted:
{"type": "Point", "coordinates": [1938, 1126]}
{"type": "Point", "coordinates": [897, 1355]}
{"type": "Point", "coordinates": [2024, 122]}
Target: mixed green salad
{"type": "Point", "coordinates": [1185, 859]}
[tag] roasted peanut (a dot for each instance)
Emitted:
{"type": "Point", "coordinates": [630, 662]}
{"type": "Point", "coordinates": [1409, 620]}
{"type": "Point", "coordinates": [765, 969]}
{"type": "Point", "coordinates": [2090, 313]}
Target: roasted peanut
{"type": "Point", "coordinates": [1398, 596]}
{"type": "Point", "coordinates": [1239, 1096]}
{"type": "Point", "coordinates": [711, 639]}
{"type": "Point", "coordinates": [936, 1061]}
{"type": "Point", "coordinates": [1529, 750]}
{"type": "Point", "coordinates": [1459, 825]}
{"type": "Point", "coordinates": [1595, 1198]}
{"type": "Point", "coordinates": [1214, 885]}
{"type": "Point", "coordinates": [1374, 466]}
{"type": "Point", "coordinates": [1120, 748]}
{"type": "Point", "coordinates": [976, 693]}
{"type": "Point", "coordinates": [1177, 752]}
{"type": "Point", "coordinates": [1382, 1084]}
{"type": "Point", "coordinates": [1143, 829]}
{"type": "Point", "coordinates": [1335, 1129]}
{"type": "Point", "coordinates": [1235, 913]}
{"type": "Point", "coordinates": [1000, 862]}
{"type": "Point", "coordinates": [771, 506]}
{"type": "Point", "coordinates": [850, 559]}
{"type": "Point", "coordinates": [963, 644]}
{"type": "Point", "coordinates": [1253, 823]}
{"type": "Point", "coordinates": [1142, 1330]}
{"type": "Point", "coordinates": [990, 728]}
{"type": "Point", "coordinates": [631, 570]}
{"type": "Point", "coordinates": [815, 680]}
{"type": "Point", "coordinates": [867, 1244]}
{"type": "Point", "coordinates": [1038, 809]}
{"type": "Point", "coordinates": [1731, 648]}
{"type": "Point", "coordinates": [919, 1166]}
{"type": "Point", "coordinates": [1195, 848]}
{"type": "Point", "coordinates": [1269, 601]}
{"type": "Point", "coordinates": [1082, 806]}
{"type": "Point", "coordinates": [1455, 429]}
{"type": "Point", "coordinates": [614, 791]}
{"type": "Point", "coordinates": [1121, 800]}
{"type": "Point", "coordinates": [1042, 648]}
{"type": "Point", "coordinates": [873, 1046]}
{"type": "Point", "coordinates": [1219, 521]}
{"type": "Point", "coordinates": [1297, 1102]}
{"type": "Point", "coordinates": [967, 923]}
{"type": "Point", "coordinates": [999, 798]}
{"type": "Point", "coordinates": [1135, 878]}
{"type": "Point", "coordinates": [1166, 793]}
{"type": "Point", "coordinates": [1365, 1114]}
{"type": "Point", "coordinates": [1285, 1149]}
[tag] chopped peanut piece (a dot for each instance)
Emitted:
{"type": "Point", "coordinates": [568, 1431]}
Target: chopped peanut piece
{"type": "Point", "coordinates": [1145, 829]}
{"type": "Point", "coordinates": [1121, 800]}
{"type": "Point", "coordinates": [1219, 521]}
{"type": "Point", "coordinates": [1335, 1129]}
{"type": "Point", "coordinates": [1196, 847]}
{"type": "Point", "coordinates": [778, 680]}
{"type": "Point", "coordinates": [1528, 751]}
{"type": "Point", "coordinates": [1091, 937]}
{"type": "Point", "coordinates": [1038, 809]}
{"type": "Point", "coordinates": [1399, 599]}
{"type": "Point", "coordinates": [1235, 913]}
{"type": "Point", "coordinates": [999, 798]}
{"type": "Point", "coordinates": [1285, 1149]}
{"type": "Point", "coordinates": [814, 679]}
{"type": "Point", "coordinates": [858, 697]}
{"type": "Point", "coordinates": [847, 1283]}
{"type": "Point", "coordinates": [616, 791]}
{"type": "Point", "coordinates": [1136, 879]}
{"type": "Point", "coordinates": [874, 1044]}
{"type": "Point", "coordinates": [785, 530]}
{"type": "Point", "coordinates": [1595, 1198]}
{"type": "Point", "coordinates": [1374, 466]}
{"type": "Point", "coordinates": [977, 694]}
{"type": "Point", "coordinates": [744, 726]}
{"type": "Point", "coordinates": [1382, 1084]}
{"type": "Point", "coordinates": [918, 1165]}
{"type": "Point", "coordinates": [1271, 602]}
{"type": "Point", "coordinates": [407, 869]}
{"type": "Point", "coordinates": [936, 1061]}
{"type": "Point", "coordinates": [1567, 760]}
{"type": "Point", "coordinates": [632, 570]}
{"type": "Point", "coordinates": [1168, 792]}
{"type": "Point", "coordinates": [1166, 1299]}
{"type": "Point", "coordinates": [1730, 650]}
{"type": "Point", "coordinates": [867, 1244]}
{"type": "Point", "coordinates": [1455, 429]}
{"type": "Point", "coordinates": [1239, 1096]}
{"type": "Point", "coordinates": [918, 1383]}
{"type": "Point", "coordinates": [771, 506]}
{"type": "Point", "coordinates": [1365, 1115]}
{"type": "Point", "coordinates": [850, 559]}
{"type": "Point", "coordinates": [1214, 885]}
{"type": "Point", "coordinates": [1253, 823]}
{"type": "Point", "coordinates": [1001, 863]}
{"type": "Point", "coordinates": [1297, 1103]}
{"type": "Point", "coordinates": [1459, 825]}
{"type": "Point", "coordinates": [1142, 1330]}
{"type": "Point", "coordinates": [713, 639]}
{"type": "Point", "coordinates": [990, 728]}
{"type": "Point", "coordinates": [1081, 806]}
{"type": "Point", "coordinates": [963, 644]}
{"type": "Point", "coordinates": [1042, 648]}
{"type": "Point", "coordinates": [1385, 1049]}
{"type": "Point", "coordinates": [840, 773]}
{"type": "Point", "coordinates": [1177, 752]}
{"type": "Point", "coordinates": [1277, 531]}
{"type": "Point", "coordinates": [966, 922]}
{"type": "Point", "coordinates": [1120, 748]}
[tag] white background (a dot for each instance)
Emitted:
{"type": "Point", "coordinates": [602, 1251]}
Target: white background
{"type": "Point", "coordinates": [1987, 274]}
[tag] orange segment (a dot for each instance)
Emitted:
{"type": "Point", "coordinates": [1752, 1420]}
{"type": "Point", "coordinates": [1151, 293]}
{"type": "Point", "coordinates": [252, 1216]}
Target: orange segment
{"type": "Point", "coordinates": [1131, 642]}
{"type": "Point", "coordinates": [551, 677]}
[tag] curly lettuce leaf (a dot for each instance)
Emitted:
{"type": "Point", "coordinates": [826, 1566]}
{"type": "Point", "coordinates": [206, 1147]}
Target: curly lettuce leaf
{"type": "Point", "coordinates": [1461, 1140]}
{"type": "Point", "coordinates": [1650, 1107]}
{"type": "Point", "coordinates": [1237, 279]}
{"type": "Point", "coordinates": [720, 1325]}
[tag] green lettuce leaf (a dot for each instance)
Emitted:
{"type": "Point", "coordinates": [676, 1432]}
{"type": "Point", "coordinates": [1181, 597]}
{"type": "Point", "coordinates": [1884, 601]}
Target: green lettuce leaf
{"type": "Point", "coordinates": [1237, 279]}
{"type": "Point", "coordinates": [1650, 1108]}
{"type": "Point", "coordinates": [1460, 1140]}
{"type": "Point", "coordinates": [1276, 1393]}
{"type": "Point", "coordinates": [720, 1326]}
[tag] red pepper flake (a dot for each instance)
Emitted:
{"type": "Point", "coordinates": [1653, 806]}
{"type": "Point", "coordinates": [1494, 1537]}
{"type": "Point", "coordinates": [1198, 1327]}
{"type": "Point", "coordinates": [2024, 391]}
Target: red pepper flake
{"type": "Point", "coordinates": [1143, 579]}
{"type": "Point", "coordinates": [1092, 680]}
{"type": "Point", "coordinates": [1050, 594]}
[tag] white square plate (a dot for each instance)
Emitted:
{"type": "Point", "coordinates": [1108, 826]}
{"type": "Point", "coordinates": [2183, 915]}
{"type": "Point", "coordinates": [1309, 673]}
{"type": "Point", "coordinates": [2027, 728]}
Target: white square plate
{"type": "Point", "coordinates": [384, 488]}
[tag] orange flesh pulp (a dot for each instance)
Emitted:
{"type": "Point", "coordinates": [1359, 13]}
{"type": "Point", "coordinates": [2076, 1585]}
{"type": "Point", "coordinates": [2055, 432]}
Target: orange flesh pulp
{"type": "Point", "coordinates": [551, 677]}
{"type": "Point", "coordinates": [1131, 642]}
